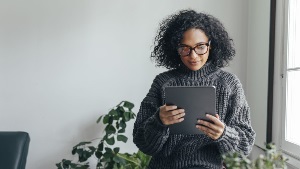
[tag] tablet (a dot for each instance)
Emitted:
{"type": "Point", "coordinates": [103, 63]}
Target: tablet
{"type": "Point", "coordinates": [196, 101]}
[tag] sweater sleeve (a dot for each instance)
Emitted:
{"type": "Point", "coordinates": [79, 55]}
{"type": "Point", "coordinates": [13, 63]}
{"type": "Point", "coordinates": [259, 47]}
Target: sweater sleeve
{"type": "Point", "coordinates": [238, 135]}
{"type": "Point", "coordinates": [149, 133]}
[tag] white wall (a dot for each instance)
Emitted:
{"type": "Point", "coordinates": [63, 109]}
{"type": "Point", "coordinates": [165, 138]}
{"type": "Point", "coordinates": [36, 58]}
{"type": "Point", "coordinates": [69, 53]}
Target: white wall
{"type": "Point", "coordinates": [64, 63]}
{"type": "Point", "coordinates": [257, 66]}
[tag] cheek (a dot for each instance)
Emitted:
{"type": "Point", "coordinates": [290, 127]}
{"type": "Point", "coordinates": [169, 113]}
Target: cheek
{"type": "Point", "coordinates": [207, 56]}
{"type": "Point", "coordinates": [184, 61]}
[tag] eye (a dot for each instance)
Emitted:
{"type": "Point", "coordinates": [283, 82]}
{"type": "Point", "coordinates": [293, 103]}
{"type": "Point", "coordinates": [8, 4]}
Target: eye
{"type": "Point", "coordinates": [184, 48]}
{"type": "Point", "coordinates": [201, 47]}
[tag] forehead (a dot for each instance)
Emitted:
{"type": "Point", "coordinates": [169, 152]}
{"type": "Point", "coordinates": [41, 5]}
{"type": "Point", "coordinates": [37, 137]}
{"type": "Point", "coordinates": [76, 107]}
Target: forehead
{"type": "Point", "coordinates": [194, 36]}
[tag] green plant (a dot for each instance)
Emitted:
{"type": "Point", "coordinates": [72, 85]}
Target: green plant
{"type": "Point", "coordinates": [271, 160]}
{"type": "Point", "coordinates": [107, 155]}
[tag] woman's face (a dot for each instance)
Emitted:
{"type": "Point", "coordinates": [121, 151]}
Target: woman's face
{"type": "Point", "coordinates": [197, 40]}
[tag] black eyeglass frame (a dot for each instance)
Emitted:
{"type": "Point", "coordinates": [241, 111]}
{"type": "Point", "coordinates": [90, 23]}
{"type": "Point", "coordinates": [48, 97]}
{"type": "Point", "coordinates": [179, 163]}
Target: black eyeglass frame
{"type": "Point", "coordinates": [193, 48]}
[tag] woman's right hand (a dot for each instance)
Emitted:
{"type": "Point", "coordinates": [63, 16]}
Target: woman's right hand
{"type": "Point", "coordinates": [170, 114]}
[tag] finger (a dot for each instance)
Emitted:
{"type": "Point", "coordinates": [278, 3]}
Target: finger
{"type": "Point", "coordinates": [214, 119]}
{"type": "Point", "coordinates": [207, 124]}
{"type": "Point", "coordinates": [175, 112]}
{"type": "Point", "coordinates": [172, 113]}
{"type": "Point", "coordinates": [207, 130]}
{"type": "Point", "coordinates": [217, 116]}
{"type": "Point", "coordinates": [217, 130]}
{"type": "Point", "coordinates": [174, 120]}
{"type": "Point", "coordinates": [165, 109]}
{"type": "Point", "coordinates": [178, 116]}
{"type": "Point", "coordinates": [169, 108]}
{"type": "Point", "coordinates": [214, 137]}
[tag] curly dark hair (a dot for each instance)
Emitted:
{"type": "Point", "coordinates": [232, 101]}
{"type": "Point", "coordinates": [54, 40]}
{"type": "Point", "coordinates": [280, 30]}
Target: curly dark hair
{"type": "Point", "coordinates": [171, 32]}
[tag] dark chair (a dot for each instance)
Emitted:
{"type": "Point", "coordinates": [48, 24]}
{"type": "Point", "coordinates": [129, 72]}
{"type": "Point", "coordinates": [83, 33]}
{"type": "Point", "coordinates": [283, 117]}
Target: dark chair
{"type": "Point", "coordinates": [13, 149]}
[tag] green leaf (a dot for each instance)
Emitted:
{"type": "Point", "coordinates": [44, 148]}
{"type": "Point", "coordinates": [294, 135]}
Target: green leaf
{"type": "Point", "coordinates": [131, 115]}
{"type": "Point", "coordinates": [122, 124]}
{"type": "Point", "coordinates": [82, 143]}
{"type": "Point", "coordinates": [110, 141]}
{"type": "Point", "coordinates": [121, 130]}
{"type": "Point", "coordinates": [98, 154]}
{"type": "Point", "coordinates": [128, 104]}
{"type": "Point", "coordinates": [117, 159]}
{"type": "Point", "coordinates": [105, 137]}
{"type": "Point", "coordinates": [117, 117]}
{"type": "Point", "coordinates": [145, 159]}
{"type": "Point", "coordinates": [109, 150]}
{"type": "Point", "coordinates": [68, 162]}
{"type": "Point", "coordinates": [79, 151]}
{"type": "Point", "coordinates": [115, 165]}
{"type": "Point", "coordinates": [100, 146]}
{"type": "Point", "coordinates": [110, 119]}
{"type": "Point", "coordinates": [129, 158]}
{"type": "Point", "coordinates": [99, 119]}
{"type": "Point", "coordinates": [84, 156]}
{"type": "Point", "coordinates": [127, 116]}
{"type": "Point", "coordinates": [120, 110]}
{"type": "Point", "coordinates": [113, 112]}
{"type": "Point", "coordinates": [58, 165]}
{"type": "Point", "coordinates": [122, 138]}
{"type": "Point", "coordinates": [117, 125]}
{"type": "Point", "coordinates": [105, 119]}
{"type": "Point", "coordinates": [74, 150]}
{"type": "Point", "coordinates": [99, 164]}
{"type": "Point", "coordinates": [92, 149]}
{"type": "Point", "coordinates": [109, 129]}
{"type": "Point", "coordinates": [117, 149]}
{"type": "Point", "coordinates": [107, 156]}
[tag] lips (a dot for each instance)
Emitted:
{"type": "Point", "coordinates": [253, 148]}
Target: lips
{"type": "Point", "coordinates": [194, 62]}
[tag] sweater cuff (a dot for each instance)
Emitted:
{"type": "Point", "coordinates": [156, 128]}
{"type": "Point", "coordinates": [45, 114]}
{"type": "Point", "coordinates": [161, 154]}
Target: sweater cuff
{"type": "Point", "coordinates": [229, 138]}
{"type": "Point", "coordinates": [156, 123]}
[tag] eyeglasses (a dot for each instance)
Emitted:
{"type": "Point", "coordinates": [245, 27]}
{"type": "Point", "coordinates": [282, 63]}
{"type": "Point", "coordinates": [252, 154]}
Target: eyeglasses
{"type": "Point", "coordinates": [200, 49]}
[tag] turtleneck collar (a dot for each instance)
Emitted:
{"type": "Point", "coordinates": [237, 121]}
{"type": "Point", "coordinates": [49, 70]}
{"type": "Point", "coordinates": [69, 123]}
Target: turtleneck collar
{"type": "Point", "coordinates": [205, 70]}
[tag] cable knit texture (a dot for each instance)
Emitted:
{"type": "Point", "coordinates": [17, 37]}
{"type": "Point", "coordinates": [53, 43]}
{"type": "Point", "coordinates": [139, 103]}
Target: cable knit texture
{"type": "Point", "coordinates": [179, 151]}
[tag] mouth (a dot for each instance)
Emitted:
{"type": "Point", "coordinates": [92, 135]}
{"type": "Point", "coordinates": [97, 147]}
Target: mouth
{"type": "Point", "coordinates": [194, 62]}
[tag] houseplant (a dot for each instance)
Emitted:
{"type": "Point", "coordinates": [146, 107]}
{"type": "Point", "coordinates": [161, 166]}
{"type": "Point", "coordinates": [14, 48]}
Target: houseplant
{"type": "Point", "coordinates": [273, 159]}
{"type": "Point", "coordinates": [108, 155]}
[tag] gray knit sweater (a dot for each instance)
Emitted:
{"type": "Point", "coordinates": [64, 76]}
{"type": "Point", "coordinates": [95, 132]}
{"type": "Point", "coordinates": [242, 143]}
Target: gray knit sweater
{"type": "Point", "coordinates": [179, 151]}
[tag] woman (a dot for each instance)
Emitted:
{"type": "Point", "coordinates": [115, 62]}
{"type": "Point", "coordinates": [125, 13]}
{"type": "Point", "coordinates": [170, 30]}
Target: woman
{"type": "Point", "coordinates": [193, 46]}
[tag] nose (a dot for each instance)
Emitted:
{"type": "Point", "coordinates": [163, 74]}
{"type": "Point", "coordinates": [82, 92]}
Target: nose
{"type": "Point", "coordinates": [193, 54]}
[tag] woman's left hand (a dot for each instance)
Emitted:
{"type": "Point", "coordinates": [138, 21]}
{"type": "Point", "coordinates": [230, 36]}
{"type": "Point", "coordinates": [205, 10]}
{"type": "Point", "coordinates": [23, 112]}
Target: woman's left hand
{"type": "Point", "coordinates": [213, 130]}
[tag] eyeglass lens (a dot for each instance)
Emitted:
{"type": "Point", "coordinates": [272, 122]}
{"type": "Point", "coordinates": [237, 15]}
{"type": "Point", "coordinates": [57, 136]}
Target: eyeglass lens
{"type": "Point", "coordinates": [199, 49]}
